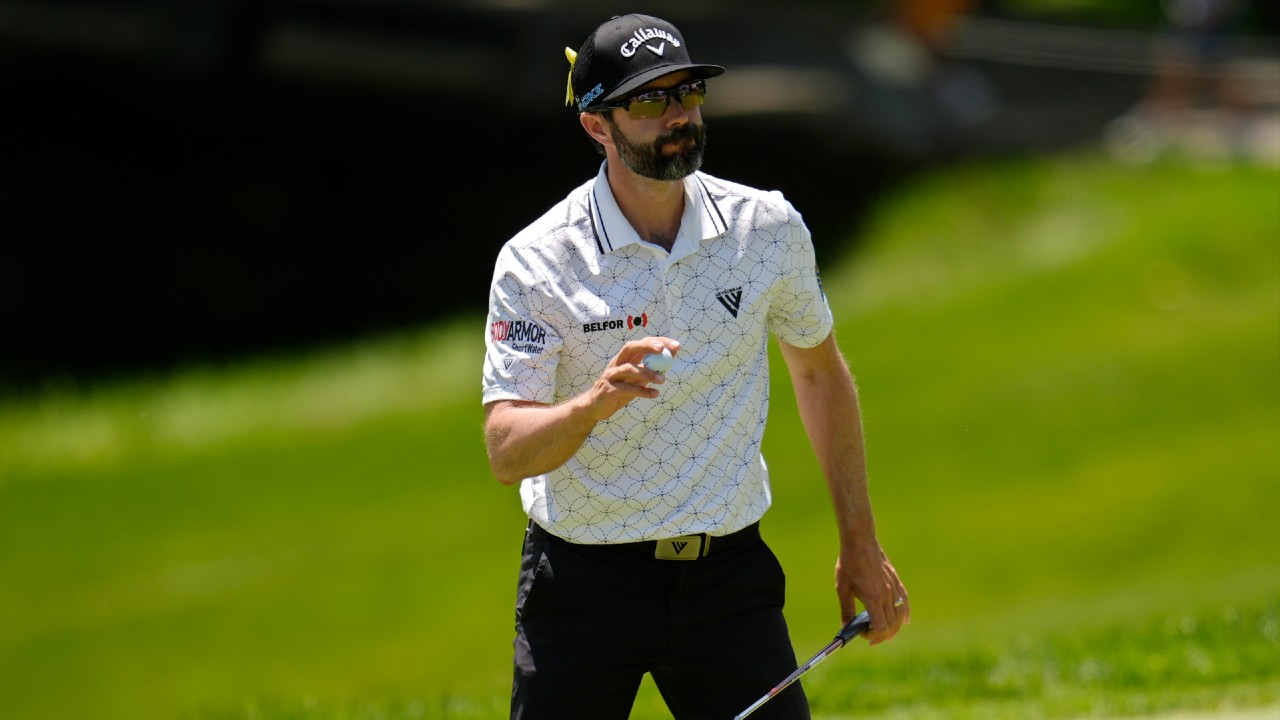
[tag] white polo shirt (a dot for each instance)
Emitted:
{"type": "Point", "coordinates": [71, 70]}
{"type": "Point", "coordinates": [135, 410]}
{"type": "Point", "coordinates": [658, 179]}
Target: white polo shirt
{"type": "Point", "coordinates": [575, 285]}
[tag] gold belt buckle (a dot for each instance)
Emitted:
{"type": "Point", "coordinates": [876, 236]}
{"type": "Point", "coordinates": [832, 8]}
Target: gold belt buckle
{"type": "Point", "coordinates": [687, 547]}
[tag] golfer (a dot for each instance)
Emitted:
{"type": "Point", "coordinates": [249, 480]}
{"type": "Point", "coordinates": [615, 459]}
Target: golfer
{"type": "Point", "coordinates": [645, 490]}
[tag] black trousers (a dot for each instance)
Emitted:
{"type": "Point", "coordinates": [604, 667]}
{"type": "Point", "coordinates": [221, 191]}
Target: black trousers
{"type": "Point", "coordinates": [591, 620]}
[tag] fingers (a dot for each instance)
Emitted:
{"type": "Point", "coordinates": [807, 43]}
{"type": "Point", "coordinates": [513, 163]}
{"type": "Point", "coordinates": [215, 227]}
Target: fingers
{"type": "Point", "coordinates": [634, 351]}
{"type": "Point", "coordinates": [625, 378]}
{"type": "Point", "coordinates": [891, 610]}
{"type": "Point", "coordinates": [872, 579]}
{"type": "Point", "coordinates": [848, 608]}
{"type": "Point", "coordinates": [893, 613]}
{"type": "Point", "coordinates": [898, 611]}
{"type": "Point", "coordinates": [630, 360]}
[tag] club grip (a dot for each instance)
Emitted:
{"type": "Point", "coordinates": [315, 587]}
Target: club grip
{"type": "Point", "coordinates": [856, 627]}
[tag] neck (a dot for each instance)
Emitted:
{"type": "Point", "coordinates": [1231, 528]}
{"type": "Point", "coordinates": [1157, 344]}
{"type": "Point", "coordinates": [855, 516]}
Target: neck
{"type": "Point", "coordinates": [653, 207]}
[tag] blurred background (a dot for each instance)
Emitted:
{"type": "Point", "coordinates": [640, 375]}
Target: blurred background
{"type": "Point", "coordinates": [245, 249]}
{"type": "Point", "coordinates": [197, 180]}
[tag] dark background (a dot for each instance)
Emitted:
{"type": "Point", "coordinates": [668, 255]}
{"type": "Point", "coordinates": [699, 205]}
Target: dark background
{"type": "Point", "coordinates": [205, 180]}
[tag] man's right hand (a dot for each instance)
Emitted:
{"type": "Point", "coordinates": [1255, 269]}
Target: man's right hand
{"type": "Point", "coordinates": [624, 379]}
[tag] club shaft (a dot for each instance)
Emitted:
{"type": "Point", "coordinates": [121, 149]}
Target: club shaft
{"type": "Point", "coordinates": [854, 628]}
{"type": "Point", "coordinates": [822, 655]}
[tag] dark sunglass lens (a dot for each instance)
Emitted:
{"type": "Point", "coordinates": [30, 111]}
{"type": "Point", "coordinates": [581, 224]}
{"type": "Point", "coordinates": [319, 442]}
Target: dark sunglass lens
{"type": "Point", "coordinates": [654, 103]}
{"type": "Point", "coordinates": [693, 100]}
{"type": "Point", "coordinates": [648, 108]}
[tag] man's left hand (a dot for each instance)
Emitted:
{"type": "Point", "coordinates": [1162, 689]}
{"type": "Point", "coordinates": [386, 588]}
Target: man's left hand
{"type": "Point", "coordinates": [865, 573]}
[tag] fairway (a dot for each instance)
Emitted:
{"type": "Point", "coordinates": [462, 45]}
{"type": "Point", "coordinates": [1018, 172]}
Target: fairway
{"type": "Point", "coordinates": [1070, 377]}
{"type": "Point", "coordinates": [1268, 713]}
{"type": "Point", "coordinates": [1265, 713]}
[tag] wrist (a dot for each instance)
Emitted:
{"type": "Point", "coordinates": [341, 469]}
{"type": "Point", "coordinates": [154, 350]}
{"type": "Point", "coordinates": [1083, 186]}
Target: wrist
{"type": "Point", "coordinates": [587, 410]}
{"type": "Point", "coordinates": [859, 536]}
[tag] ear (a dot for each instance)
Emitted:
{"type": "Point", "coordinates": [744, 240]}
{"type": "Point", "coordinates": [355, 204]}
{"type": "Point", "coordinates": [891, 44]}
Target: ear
{"type": "Point", "coordinates": [596, 127]}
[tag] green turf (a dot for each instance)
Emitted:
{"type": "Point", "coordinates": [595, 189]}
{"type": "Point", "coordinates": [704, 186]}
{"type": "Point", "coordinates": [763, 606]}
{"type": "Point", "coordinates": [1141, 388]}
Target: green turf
{"type": "Point", "coordinates": [1070, 374]}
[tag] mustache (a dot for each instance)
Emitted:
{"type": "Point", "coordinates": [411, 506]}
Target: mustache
{"type": "Point", "coordinates": [685, 132]}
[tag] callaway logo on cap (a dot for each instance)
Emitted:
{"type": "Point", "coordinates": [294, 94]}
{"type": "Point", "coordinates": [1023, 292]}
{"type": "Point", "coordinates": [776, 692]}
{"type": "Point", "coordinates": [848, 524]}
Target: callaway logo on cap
{"type": "Point", "coordinates": [624, 53]}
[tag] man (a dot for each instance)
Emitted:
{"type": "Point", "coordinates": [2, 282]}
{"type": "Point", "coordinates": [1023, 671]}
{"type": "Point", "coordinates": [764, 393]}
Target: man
{"type": "Point", "coordinates": [644, 490]}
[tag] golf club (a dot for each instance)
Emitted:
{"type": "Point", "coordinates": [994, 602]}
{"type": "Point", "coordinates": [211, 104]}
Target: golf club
{"type": "Point", "coordinates": [856, 627]}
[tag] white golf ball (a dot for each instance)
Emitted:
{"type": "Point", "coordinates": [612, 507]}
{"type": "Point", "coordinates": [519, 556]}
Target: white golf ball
{"type": "Point", "coordinates": [658, 363]}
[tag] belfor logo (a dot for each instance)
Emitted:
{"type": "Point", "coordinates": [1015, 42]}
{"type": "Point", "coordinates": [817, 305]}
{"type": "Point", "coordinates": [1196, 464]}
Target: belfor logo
{"type": "Point", "coordinates": [633, 322]}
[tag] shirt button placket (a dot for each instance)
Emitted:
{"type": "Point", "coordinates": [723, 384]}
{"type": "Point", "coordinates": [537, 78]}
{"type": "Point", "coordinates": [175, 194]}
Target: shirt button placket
{"type": "Point", "coordinates": [671, 299]}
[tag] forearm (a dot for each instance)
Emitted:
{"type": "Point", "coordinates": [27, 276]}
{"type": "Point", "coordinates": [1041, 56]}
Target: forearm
{"type": "Point", "coordinates": [827, 399]}
{"type": "Point", "coordinates": [828, 403]}
{"type": "Point", "coordinates": [528, 439]}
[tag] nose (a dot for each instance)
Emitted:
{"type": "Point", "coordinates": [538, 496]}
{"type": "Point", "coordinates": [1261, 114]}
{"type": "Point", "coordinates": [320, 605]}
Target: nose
{"type": "Point", "coordinates": [675, 114]}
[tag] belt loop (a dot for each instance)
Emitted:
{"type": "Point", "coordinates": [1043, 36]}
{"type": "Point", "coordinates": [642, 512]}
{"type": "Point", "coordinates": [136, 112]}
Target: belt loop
{"type": "Point", "coordinates": [706, 544]}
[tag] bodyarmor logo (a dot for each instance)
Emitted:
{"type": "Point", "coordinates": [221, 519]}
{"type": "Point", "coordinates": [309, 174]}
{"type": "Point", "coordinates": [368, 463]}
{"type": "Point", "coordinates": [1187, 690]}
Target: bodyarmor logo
{"type": "Point", "coordinates": [731, 300]}
{"type": "Point", "coordinates": [523, 335]}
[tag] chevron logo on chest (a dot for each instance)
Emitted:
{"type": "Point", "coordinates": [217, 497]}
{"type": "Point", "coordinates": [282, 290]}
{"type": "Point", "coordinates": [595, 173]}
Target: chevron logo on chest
{"type": "Point", "coordinates": [731, 300]}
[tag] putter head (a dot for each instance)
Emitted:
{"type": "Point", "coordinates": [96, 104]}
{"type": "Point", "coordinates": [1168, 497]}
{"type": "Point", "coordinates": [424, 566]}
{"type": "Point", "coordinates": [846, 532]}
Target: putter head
{"type": "Point", "coordinates": [855, 627]}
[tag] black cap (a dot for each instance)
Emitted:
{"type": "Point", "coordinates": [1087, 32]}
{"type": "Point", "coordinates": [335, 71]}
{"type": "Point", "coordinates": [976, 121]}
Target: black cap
{"type": "Point", "coordinates": [626, 52]}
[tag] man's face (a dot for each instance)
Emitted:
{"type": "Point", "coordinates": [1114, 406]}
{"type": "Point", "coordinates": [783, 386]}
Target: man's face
{"type": "Point", "coordinates": [677, 150]}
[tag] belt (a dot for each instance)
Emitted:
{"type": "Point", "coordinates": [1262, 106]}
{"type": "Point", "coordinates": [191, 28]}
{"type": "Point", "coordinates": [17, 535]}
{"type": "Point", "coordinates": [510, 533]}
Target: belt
{"type": "Point", "coordinates": [685, 547]}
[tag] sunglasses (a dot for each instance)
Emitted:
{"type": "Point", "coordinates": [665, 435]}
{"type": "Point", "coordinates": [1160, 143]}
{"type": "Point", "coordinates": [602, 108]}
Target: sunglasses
{"type": "Point", "coordinates": [653, 103]}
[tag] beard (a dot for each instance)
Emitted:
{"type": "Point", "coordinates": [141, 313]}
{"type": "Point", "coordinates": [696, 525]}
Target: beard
{"type": "Point", "coordinates": [649, 160]}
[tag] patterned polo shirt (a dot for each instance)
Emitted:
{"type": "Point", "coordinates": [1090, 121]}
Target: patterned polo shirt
{"type": "Point", "coordinates": [576, 284]}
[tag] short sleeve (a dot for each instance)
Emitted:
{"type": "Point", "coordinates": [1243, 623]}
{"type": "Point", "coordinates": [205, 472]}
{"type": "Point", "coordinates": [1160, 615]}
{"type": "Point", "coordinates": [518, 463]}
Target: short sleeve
{"type": "Point", "coordinates": [798, 310]}
{"type": "Point", "coordinates": [522, 347]}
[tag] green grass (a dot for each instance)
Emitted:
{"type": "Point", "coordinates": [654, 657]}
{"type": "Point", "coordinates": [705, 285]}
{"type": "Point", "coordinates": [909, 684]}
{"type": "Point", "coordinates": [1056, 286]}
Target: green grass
{"type": "Point", "coordinates": [1070, 374]}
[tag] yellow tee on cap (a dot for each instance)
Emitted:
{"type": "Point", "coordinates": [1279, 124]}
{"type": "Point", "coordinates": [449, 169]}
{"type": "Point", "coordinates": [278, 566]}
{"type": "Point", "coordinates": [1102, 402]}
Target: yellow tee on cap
{"type": "Point", "coordinates": [572, 57]}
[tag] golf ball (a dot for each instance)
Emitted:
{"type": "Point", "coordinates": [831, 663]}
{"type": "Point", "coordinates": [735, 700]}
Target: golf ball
{"type": "Point", "coordinates": [658, 363]}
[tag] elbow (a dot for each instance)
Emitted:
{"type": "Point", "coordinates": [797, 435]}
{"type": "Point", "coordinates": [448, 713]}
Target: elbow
{"type": "Point", "coordinates": [502, 472]}
{"type": "Point", "coordinates": [506, 478]}
{"type": "Point", "coordinates": [493, 445]}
